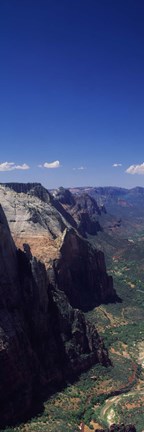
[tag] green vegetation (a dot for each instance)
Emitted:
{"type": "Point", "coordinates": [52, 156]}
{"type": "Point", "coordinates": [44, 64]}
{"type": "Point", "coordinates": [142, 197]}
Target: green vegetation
{"type": "Point", "coordinates": [129, 334]}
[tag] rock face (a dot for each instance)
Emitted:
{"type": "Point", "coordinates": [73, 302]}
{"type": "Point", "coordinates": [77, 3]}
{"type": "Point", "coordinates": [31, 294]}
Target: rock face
{"type": "Point", "coordinates": [83, 209]}
{"type": "Point", "coordinates": [80, 272]}
{"type": "Point", "coordinates": [44, 342]}
{"type": "Point", "coordinates": [33, 218]}
{"type": "Point", "coordinates": [52, 232]}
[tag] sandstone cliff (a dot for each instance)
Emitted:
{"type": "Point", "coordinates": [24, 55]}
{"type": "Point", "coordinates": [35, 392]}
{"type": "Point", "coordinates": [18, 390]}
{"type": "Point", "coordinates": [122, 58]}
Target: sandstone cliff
{"type": "Point", "coordinates": [42, 221]}
{"type": "Point", "coordinates": [44, 342]}
{"type": "Point", "coordinates": [80, 272]}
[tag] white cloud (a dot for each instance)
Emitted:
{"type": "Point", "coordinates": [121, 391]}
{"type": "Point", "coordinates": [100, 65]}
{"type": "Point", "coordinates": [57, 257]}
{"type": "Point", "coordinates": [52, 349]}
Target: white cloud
{"type": "Point", "coordinates": [135, 169]}
{"type": "Point", "coordinates": [10, 166]}
{"type": "Point", "coordinates": [50, 165]}
{"type": "Point", "coordinates": [81, 168]}
{"type": "Point", "coordinates": [115, 165]}
{"type": "Point", "coordinates": [22, 167]}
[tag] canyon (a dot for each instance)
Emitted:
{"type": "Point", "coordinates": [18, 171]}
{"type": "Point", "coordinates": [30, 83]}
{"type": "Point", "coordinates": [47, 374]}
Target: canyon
{"type": "Point", "coordinates": [53, 281]}
{"type": "Point", "coordinates": [44, 341]}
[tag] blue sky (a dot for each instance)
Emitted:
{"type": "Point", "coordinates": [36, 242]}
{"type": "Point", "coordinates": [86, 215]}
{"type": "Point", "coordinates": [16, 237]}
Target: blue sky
{"type": "Point", "coordinates": [72, 92]}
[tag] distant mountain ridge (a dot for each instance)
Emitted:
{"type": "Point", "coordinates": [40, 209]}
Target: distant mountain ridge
{"type": "Point", "coordinates": [118, 201]}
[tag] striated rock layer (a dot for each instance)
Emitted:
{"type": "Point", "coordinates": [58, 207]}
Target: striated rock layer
{"type": "Point", "coordinates": [44, 342]}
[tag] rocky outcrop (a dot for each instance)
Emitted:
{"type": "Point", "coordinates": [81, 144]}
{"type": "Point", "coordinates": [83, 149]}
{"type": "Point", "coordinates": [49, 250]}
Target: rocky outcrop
{"type": "Point", "coordinates": [80, 272]}
{"type": "Point", "coordinates": [82, 208]}
{"type": "Point", "coordinates": [33, 219]}
{"type": "Point", "coordinates": [44, 342]}
{"type": "Point", "coordinates": [21, 187]}
{"type": "Point", "coordinates": [86, 212]}
{"type": "Point", "coordinates": [64, 196]}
